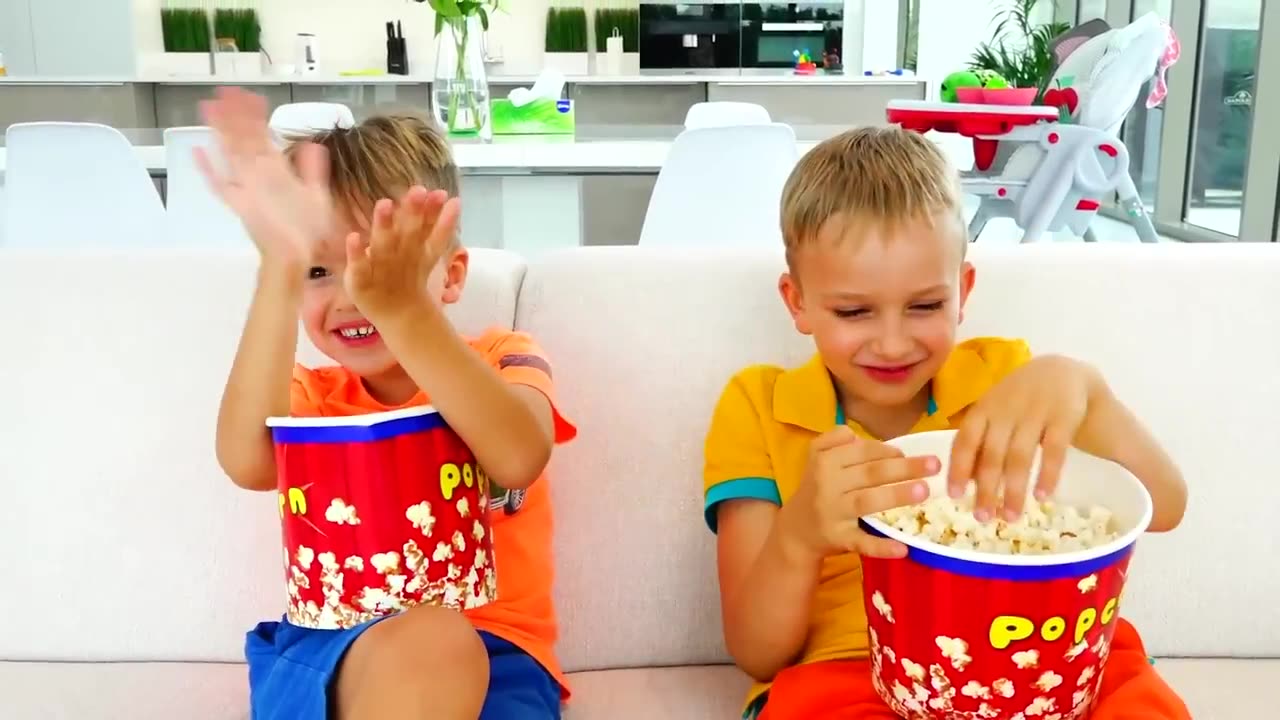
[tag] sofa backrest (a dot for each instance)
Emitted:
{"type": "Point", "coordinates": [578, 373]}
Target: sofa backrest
{"type": "Point", "coordinates": [122, 538]}
{"type": "Point", "coordinates": [643, 341]}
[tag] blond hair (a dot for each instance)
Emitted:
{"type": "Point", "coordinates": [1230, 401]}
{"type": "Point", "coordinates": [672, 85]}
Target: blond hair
{"type": "Point", "coordinates": [383, 157]}
{"type": "Point", "coordinates": [877, 175]}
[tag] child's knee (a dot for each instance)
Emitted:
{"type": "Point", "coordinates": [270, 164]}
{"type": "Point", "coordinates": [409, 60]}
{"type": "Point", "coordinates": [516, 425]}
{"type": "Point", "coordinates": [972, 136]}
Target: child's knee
{"type": "Point", "coordinates": [430, 637]}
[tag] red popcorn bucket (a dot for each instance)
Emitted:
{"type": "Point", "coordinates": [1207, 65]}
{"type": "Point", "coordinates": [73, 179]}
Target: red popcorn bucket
{"type": "Point", "coordinates": [380, 512]}
{"type": "Point", "coordinates": [959, 634]}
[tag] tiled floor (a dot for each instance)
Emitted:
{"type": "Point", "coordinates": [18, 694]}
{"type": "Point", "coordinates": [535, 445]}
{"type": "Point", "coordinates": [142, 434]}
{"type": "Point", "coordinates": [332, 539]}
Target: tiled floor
{"type": "Point", "coordinates": [1003, 230]}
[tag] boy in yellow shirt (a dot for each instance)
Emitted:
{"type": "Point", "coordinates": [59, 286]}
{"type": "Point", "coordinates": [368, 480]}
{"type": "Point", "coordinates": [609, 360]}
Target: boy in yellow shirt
{"type": "Point", "coordinates": [875, 246]}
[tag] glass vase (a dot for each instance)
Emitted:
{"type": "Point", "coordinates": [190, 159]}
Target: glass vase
{"type": "Point", "coordinates": [460, 93]}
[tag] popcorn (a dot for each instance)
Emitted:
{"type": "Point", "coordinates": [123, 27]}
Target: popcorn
{"type": "Point", "coordinates": [913, 670]}
{"type": "Point", "coordinates": [340, 513]}
{"type": "Point", "coordinates": [882, 606]}
{"type": "Point", "coordinates": [1003, 687]}
{"type": "Point", "coordinates": [421, 517]}
{"type": "Point", "coordinates": [1085, 676]}
{"type": "Point", "coordinates": [1026, 659]}
{"type": "Point", "coordinates": [955, 650]}
{"type": "Point", "coordinates": [1076, 650]}
{"type": "Point", "coordinates": [1088, 583]}
{"type": "Point", "coordinates": [1048, 681]}
{"type": "Point", "coordinates": [1044, 528]}
{"type": "Point", "coordinates": [976, 690]}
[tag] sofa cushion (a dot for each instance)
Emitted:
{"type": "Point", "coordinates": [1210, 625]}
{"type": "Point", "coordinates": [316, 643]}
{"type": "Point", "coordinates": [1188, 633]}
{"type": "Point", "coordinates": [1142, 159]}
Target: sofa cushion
{"type": "Point", "coordinates": [1213, 690]}
{"type": "Point", "coordinates": [126, 541]}
{"type": "Point", "coordinates": [645, 339]}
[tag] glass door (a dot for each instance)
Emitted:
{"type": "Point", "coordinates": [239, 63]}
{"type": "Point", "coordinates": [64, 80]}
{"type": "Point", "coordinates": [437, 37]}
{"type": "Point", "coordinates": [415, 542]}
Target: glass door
{"type": "Point", "coordinates": [1223, 116]}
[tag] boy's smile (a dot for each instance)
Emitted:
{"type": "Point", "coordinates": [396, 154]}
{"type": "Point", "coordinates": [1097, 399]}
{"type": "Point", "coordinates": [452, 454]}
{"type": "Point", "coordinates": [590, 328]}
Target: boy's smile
{"type": "Point", "coordinates": [357, 334]}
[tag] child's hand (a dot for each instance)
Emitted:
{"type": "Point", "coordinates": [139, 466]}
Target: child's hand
{"type": "Point", "coordinates": [1042, 404]}
{"type": "Point", "coordinates": [388, 273]}
{"type": "Point", "coordinates": [849, 477]}
{"type": "Point", "coordinates": [283, 209]}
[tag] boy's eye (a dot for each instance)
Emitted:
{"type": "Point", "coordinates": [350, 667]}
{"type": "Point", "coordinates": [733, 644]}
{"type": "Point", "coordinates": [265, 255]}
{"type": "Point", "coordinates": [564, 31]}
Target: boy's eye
{"type": "Point", "coordinates": [928, 307]}
{"type": "Point", "coordinates": [851, 313]}
{"type": "Point", "coordinates": [317, 272]}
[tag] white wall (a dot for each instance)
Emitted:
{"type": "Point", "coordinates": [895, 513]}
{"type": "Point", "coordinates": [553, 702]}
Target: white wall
{"type": "Point", "coordinates": [352, 35]}
{"type": "Point", "coordinates": [67, 37]}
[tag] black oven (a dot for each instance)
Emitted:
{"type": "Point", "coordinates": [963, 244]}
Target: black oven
{"type": "Point", "coordinates": [680, 35]}
{"type": "Point", "coordinates": [772, 33]}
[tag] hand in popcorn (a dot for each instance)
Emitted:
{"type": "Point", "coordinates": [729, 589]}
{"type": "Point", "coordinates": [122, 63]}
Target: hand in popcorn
{"type": "Point", "coordinates": [284, 206]}
{"type": "Point", "coordinates": [848, 477]}
{"type": "Point", "coordinates": [388, 273]}
{"type": "Point", "coordinates": [1040, 405]}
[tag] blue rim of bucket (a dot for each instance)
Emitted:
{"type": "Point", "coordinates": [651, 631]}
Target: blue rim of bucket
{"type": "Point", "coordinates": [999, 571]}
{"type": "Point", "coordinates": [289, 434]}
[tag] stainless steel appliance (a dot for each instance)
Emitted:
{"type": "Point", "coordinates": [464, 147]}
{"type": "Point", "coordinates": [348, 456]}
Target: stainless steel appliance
{"type": "Point", "coordinates": [690, 36]}
{"type": "Point", "coordinates": [773, 32]}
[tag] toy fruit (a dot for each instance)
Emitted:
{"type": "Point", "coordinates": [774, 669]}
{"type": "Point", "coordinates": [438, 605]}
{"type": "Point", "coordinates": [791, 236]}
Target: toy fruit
{"type": "Point", "coordinates": [992, 80]}
{"type": "Point", "coordinates": [957, 80]}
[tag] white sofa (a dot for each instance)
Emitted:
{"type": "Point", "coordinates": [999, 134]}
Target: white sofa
{"type": "Point", "coordinates": [131, 567]}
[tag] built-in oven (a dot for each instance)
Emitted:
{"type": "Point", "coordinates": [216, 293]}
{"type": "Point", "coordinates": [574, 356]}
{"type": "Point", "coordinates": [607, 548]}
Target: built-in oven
{"type": "Point", "coordinates": [690, 36]}
{"type": "Point", "coordinates": [773, 33]}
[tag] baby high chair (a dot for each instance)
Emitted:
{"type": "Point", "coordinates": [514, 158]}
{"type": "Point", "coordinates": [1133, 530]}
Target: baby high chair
{"type": "Point", "coordinates": [1061, 172]}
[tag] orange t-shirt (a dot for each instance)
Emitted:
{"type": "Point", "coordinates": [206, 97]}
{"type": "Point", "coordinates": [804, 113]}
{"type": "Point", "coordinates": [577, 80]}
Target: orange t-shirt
{"type": "Point", "coordinates": [523, 613]}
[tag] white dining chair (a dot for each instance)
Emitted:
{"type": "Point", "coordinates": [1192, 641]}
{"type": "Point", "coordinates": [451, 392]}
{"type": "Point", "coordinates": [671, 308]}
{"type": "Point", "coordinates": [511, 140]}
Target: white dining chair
{"type": "Point", "coordinates": [309, 117]}
{"type": "Point", "coordinates": [726, 112]}
{"type": "Point", "coordinates": [195, 216]}
{"type": "Point", "coordinates": [721, 186]}
{"type": "Point", "coordinates": [69, 184]}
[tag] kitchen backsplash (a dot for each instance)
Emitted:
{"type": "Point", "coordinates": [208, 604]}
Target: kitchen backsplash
{"type": "Point", "coordinates": [351, 36]}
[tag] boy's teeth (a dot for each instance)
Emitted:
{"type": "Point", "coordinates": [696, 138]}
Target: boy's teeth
{"type": "Point", "coordinates": [357, 332]}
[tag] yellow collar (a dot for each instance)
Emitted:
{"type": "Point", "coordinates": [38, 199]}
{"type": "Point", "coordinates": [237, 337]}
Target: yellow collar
{"type": "Point", "coordinates": [806, 397]}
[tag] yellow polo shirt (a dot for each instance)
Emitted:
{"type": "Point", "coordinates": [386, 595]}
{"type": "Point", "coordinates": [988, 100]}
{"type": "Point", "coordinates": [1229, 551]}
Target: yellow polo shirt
{"type": "Point", "coordinates": [758, 446]}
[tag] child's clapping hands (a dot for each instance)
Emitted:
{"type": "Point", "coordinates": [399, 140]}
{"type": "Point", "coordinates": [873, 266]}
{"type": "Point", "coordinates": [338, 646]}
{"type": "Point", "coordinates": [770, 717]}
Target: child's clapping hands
{"type": "Point", "coordinates": [387, 273]}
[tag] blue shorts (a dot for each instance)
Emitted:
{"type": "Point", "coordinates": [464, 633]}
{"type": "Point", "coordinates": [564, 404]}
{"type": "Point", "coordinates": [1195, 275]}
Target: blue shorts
{"type": "Point", "coordinates": [292, 671]}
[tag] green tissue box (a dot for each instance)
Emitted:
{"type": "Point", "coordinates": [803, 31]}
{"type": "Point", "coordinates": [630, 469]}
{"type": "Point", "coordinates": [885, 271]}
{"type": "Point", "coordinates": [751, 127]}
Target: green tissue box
{"type": "Point", "coordinates": [540, 117]}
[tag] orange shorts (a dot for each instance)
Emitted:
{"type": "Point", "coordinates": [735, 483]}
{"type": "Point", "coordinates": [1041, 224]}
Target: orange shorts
{"type": "Point", "coordinates": [842, 690]}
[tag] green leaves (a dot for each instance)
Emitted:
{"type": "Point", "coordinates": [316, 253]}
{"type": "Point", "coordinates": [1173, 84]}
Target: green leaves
{"type": "Point", "coordinates": [1019, 49]}
{"type": "Point", "coordinates": [457, 10]}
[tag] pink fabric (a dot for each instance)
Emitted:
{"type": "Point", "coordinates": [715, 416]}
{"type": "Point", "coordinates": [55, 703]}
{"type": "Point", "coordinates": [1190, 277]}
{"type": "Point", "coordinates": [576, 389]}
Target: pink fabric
{"type": "Point", "coordinates": [1172, 51]}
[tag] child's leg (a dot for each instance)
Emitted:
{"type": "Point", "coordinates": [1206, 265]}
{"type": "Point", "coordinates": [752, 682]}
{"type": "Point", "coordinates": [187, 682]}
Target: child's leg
{"type": "Point", "coordinates": [519, 688]}
{"type": "Point", "coordinates": [427, 662]}
{"type": "Point", "coordinates": [1131, 689]}
{"type": "Point", "coordinates": [832, 690]}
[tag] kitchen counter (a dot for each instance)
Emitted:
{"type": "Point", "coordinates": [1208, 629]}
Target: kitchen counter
{"type": "Point", "coordinates": [745, 77]}
{"type": "Point", "coordinates": [647, 98]}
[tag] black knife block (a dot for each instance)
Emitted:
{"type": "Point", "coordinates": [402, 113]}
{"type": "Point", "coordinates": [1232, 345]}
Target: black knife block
{"type": "Point", "coordinates": [397, 57]}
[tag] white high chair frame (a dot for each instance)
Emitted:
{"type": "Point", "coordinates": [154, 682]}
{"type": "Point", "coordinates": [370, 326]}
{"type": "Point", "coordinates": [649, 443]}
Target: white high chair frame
{"type": "Point", "coordinates": [1078, 165]}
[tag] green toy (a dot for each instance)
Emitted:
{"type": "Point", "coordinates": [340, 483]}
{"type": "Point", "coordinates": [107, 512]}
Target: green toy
{"type": "Point", "coordinates": [992, 80]}
{"type": "Point", "coordinates": [957, 80]}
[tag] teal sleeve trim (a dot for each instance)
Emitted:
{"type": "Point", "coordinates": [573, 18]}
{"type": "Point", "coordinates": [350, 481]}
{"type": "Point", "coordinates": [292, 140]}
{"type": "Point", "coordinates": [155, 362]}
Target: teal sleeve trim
{"type": "Point", "coordinates": [749, 488]}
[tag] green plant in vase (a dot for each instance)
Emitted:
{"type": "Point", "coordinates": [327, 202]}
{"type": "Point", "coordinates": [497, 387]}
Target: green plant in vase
{"type": "Point", "coordinates": [240, 25]}
{"type": "Point", "coordinates": [1019, 50]}
{"type": "Point", "coordinates": [460, 94]}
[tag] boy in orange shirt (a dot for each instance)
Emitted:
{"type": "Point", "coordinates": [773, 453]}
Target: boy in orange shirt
{"type": "Point", "coordinates": [369, 278]}
{"type": "Point", "coordinates": [875, 250]}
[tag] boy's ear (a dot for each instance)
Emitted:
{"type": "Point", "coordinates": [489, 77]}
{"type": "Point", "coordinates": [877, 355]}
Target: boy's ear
{"type": "Point", "coordinates": [455, 276]}
{"type": "Point", "coordinates": [789, 289]}
{"type": "Point", "coordinates": [968, 275]}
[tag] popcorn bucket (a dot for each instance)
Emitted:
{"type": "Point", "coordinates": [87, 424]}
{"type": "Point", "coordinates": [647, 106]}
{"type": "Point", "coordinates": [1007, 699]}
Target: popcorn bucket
{"type": "Point", "coordinates": [380, 513]}
{"type": "Point", "coordinates": [959, 633]}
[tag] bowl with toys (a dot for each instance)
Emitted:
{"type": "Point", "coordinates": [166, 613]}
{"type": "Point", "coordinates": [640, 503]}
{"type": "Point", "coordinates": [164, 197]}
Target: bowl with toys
{"type": "Point", "coordinates": [1001, 619]}
{"type": "Point", "coordinates": [379, 513]}
{"type": "Point", "coordinates": [984, 87]}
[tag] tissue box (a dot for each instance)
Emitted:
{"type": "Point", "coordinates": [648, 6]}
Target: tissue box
{"type": "Point", "coordinates": [543, 116]}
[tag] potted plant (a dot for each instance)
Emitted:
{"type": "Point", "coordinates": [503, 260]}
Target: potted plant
{"type": "Point", "coordinates": [460, 90]}
{"type": "Point", "coordinates": [186, 41]}
{"type": "Point", "coordinates": [1019, 49]}
{"type": "Point", "coordinates": [239, 38]}
{"type": "Point", "coordinates": [626, 21]}
{"type": "Point", "coordinates": [566, 45]}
